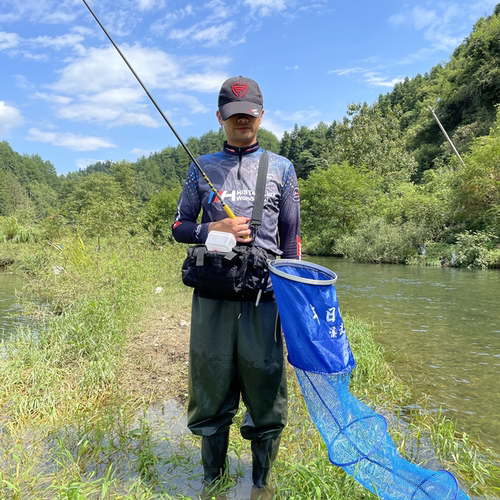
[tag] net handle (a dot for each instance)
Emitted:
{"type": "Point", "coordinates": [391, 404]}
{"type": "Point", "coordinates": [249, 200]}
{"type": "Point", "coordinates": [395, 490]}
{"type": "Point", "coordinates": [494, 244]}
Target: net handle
{"type": "Point", "coordinates": [294, 262]}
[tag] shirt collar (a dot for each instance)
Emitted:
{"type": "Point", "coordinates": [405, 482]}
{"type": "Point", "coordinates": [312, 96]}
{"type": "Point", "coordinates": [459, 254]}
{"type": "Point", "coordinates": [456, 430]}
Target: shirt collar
{"type": "Point", "coordinates": [233, 150]}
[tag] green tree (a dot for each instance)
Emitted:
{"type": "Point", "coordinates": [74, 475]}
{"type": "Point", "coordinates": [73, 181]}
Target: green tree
{"type": "Point", "coordinates": [268, 140]}
{"type": "Point", "coordinates": [477, 187]}
{"type": "Point", "coordinates": [123, 173]}
{"type": "Point", "coordinates": [98, 203]}
{"type": "Point", "coordinates": [334, 200]}
{"type": "Point", "coordinates": [371, 137]}
{"type": "Point", "coordinates": [159, 213]}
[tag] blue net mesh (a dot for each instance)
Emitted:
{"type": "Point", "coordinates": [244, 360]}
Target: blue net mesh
{"type": "Point", "coordinates": [356, 436]}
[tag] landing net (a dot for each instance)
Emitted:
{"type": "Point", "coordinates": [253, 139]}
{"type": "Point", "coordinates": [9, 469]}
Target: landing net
{"type": "Point", "coordinates": [318, 348]}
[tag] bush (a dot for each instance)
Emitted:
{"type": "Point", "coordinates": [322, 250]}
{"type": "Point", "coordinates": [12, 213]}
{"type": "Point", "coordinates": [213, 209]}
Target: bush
{"type": "Point", "coordinates": [9, 227]}
{"type": "Point", "coordinates": [472, 250]}
{"type": "Point", "coordinates": [377, 241]}
{"type": "Point", "coordinates": [11, 230]}
{"type": "Point", "coordinates": [493, 258]}
{"type": "Point", "coordinates": [158, 215]}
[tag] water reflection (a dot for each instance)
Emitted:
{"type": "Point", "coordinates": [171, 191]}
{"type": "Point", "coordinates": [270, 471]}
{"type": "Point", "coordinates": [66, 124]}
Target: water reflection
{"type": "Point", "coordinates": [446, 324]}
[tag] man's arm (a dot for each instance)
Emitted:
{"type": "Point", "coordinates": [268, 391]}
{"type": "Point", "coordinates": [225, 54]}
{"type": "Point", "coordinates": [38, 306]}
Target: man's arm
{"type": "Point", "coordinates": [289, 217]}
{"type": "Point", "coordinates": [185, 229]}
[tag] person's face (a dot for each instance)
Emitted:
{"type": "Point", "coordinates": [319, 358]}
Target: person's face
{"type": "Point", "coordinates": [241, 129]}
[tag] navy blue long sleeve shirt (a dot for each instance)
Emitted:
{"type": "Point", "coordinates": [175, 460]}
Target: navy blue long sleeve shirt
{"type": "Point", "coordinates": [233, 172]}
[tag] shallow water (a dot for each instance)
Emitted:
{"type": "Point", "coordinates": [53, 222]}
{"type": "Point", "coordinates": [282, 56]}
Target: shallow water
{"type": "Point", "coordinates": [9, 308]}
{"type": "Point", "coordinates": [446, 325]}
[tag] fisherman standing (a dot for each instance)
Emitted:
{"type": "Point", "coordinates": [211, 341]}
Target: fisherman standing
{"type": "Point", "coordinates": [235, 346]}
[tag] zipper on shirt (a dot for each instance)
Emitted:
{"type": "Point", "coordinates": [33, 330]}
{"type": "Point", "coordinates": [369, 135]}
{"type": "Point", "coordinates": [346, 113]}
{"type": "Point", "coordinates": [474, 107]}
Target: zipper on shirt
{"type": "Point", "coordinates": [240, 157]}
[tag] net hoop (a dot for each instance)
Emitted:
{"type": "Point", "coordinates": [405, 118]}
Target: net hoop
{"type": "Point", "coordinates": [274, 265]}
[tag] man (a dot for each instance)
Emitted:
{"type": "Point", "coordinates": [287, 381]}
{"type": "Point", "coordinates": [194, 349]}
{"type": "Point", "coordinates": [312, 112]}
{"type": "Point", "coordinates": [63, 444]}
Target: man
{"type": "Point", "coordinates": [234, 347]}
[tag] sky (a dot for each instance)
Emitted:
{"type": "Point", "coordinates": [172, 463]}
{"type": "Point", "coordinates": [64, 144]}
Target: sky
{"type": "Point", "coordinates": [66, 94]}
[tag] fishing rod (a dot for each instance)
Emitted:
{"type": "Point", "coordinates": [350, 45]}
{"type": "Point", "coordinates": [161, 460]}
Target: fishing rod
{"type": "Point", "coordinates": [226, 208]}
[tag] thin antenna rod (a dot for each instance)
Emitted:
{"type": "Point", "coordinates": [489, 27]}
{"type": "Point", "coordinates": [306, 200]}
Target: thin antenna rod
{"type": "Point", "coordinates": [226, 208]}
{"type": "Point", "coordinates": [454, 149]}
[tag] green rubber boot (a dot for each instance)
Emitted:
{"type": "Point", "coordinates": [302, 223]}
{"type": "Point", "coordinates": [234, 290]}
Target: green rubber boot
{"type": "Point", "coordinates": [213, 456]}
{"type": "Point", "coordinates": [264, 453]}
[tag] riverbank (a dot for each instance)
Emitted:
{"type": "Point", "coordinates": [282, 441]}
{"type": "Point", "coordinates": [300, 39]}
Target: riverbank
{"type": "Point", "coordinates": [91, 401]}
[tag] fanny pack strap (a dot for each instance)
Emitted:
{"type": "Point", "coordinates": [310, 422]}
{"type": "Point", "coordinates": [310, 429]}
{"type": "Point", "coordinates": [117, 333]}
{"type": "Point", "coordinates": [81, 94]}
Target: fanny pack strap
{"type": "Point", "coordinates": [260, 188]}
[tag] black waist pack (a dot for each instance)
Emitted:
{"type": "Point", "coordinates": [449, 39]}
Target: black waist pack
{"type": "Point", "coordinates": [243, 270]}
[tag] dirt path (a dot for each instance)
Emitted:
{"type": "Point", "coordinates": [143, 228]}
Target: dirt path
{"type": "Point", "coordinates": [156, 365]}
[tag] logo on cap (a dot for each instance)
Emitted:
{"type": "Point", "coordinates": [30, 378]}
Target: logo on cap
{"type": "Point", "coordinates": [239, 89]}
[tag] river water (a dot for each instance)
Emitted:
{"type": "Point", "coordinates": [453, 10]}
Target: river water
{"type": "Point", "coordinates": [9, 308]}
{"type": "Point", "coordinates": [446, 324]}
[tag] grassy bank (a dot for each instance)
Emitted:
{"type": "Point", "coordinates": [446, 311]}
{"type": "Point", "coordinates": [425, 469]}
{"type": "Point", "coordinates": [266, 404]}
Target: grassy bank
{"type": "Point", "coordinates": [86, 395]}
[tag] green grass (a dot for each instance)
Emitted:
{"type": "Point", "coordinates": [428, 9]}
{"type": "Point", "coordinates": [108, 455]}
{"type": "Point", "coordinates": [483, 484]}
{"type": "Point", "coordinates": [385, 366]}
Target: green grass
{"type": "Point", "coordinates": [68, 430]}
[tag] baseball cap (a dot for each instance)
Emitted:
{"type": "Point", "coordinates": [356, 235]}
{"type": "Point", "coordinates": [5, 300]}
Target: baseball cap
{"type": "Point", "coordinates": [240, 95]}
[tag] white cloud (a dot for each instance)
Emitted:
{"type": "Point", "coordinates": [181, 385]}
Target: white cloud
{"type": "Point", "coordinates": [373, 78]}
{"type": "Point", "coordinates": [190, 101]}
{"type": "Point", "coordinates": [266, 7]}
{"type": "Point", "coordinates": [59, 17]}
{"type": "Point", "coordinates": [481, 8]}
{"type": "Point", "coordinates": [423, 18]}
{"type": "Point", "coordinates": [22, 82]}
{"type": "Point", "coordinates": [368, 76]}
{"type": "Point", "coordinates": [10, 117]}
{"type": "Point", "coordinates": [112, 116]}
{"type": "Point", "coordinates": [103, 90]}
{"type": "Point", "coordinates": [166, 22]}
{"type": "Point", "coordinates": [202, 82]}
{"type": "Point", "coordinates": [219, 9]}
{"type": "Point", "coordinates": [183, 121]}
{"type": "Point", "coordinates": [294, 68]}
{"type": "Point", "coordinates": [442, 26]}
{"type": "Point", "coordinates": [149, 4]}
{"type": "Point", "coordinates": [132, 118]}
{"type": "Point", "coordinates": [39, 11]}
{"type": "Point", "coordinates": [75, 142]}
{"type": "Point", "coordinates": [398, 19]}
{"type": "Point", "coordinates": [345, 71]}
{"type": "Point", "coordinates": [210, 35]}
{"type": "Point", "coordinates": [299, 116]}
{"type": "Point", "coordinates": [9, 40]}
{"type": "Point", "coordinates": [278, 122]}
{"type": "Point", "coordinates": [83, 163]}
{"type": "Point", "coordinates": [34, 57]}
{"type": "Point", "coordinates": [82, 30]}
{"type": "Point", "coordinates": [119, 95]}
{"type": "Point", "coordinates": [141, 152]}
{"type": "Point", "coordinates": [102, 69]}
{"type": "Point", "coordinates": [72, 40]}
{"type": "Point", "coordinates": [53, 98]}
{"type": "Point", "coordinates": [273, 126]}
{"type": "Point", "coordinates": [8, 18]}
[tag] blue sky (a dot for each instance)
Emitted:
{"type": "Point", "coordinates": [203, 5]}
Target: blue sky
{"type": "Point", "coordinates": [66, 94]}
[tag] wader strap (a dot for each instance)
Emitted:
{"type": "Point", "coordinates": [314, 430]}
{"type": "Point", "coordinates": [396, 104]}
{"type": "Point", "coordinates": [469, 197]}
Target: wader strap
{"type": "Point", "coordinates": [260, 189]}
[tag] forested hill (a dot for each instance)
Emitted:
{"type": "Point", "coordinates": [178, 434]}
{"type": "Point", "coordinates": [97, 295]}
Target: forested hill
{"type": "Point", "coordinates": [464, 92]}
{"type": "Point", "coordinates": [384, 170]}
{"type": "Point", "coordinates": [26, 181]}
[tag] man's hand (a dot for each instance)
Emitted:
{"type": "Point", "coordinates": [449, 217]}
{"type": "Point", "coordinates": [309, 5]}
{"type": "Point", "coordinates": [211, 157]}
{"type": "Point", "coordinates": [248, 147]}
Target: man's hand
{"type": "Point", "coordinates": [237, 226]}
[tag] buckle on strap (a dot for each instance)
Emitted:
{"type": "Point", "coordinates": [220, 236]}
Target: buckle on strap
{"type": "Point", "coordinates": [199, 253]}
